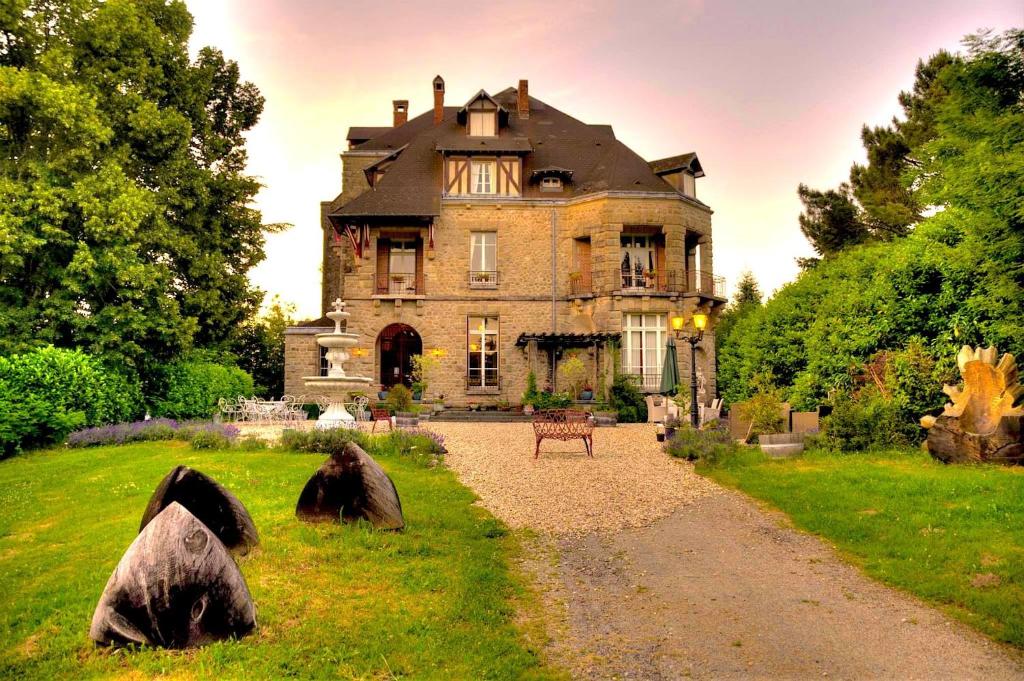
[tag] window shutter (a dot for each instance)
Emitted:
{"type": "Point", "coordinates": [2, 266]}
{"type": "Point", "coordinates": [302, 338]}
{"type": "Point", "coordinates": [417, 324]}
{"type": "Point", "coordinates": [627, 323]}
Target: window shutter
{"type": "Point", "coordinates": [383, 258]}
{"type": "Point", "coordinates": [419, 266]}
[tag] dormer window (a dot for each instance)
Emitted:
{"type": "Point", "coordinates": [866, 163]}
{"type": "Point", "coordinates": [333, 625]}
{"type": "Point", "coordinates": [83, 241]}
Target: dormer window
{"type": "Point", "coordinates": [482, 123]}
{"type": "Point", "coordinates": [551, 184]}
{"type": "Point", "coordinates": [483, 118]}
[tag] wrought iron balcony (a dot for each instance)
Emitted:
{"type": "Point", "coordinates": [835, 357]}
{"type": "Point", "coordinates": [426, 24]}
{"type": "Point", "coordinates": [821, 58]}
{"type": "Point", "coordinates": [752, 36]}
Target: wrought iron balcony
{"type": "Point", "coordinates": [483, 279]}
{"type": "Point", "coordinates": [648, 380]}
{"type": "Point", "coordinates": [580, 284]}
{"type": "Point", "coordinates": [698, 281]}
{"type": "Point", "coordinates": [400, 284]}
{"type": "Point", "coordinates": [648, 281]}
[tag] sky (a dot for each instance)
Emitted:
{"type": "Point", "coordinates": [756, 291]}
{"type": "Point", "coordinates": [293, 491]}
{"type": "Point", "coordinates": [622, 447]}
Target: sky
{"type": "Point", "coordinates": [768, 93]}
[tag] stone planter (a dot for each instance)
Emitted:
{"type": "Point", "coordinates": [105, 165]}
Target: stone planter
{"type": "Point", "coordinates": [406, 419]}
{"type": "Point", "coordinates": [606, 418]}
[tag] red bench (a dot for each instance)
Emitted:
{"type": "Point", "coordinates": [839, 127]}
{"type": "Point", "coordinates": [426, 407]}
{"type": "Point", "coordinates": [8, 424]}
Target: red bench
{"type": "Point", "coordinates": [563, 424]}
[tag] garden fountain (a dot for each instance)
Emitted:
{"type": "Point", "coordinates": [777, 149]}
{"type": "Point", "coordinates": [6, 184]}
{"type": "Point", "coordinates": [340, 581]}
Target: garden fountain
{"type": "Point", "coordinates": [337, 384]}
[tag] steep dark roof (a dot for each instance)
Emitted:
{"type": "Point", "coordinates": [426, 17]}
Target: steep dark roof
{"type": "Point", "coordinates": [672, 164]}
{"type": "Point", "coordinates": [549, 138]}
{"type": "Point", "coordinates": [360, 134]}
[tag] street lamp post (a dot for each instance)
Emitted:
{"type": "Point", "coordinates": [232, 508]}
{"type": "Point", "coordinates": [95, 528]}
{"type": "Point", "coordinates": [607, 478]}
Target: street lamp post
{"type": "Point", "coordinates": [700, 322]}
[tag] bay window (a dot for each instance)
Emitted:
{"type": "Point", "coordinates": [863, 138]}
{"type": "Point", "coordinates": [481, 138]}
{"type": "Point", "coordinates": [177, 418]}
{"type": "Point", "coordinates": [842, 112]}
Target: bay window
{"type": "Point", "coordinates": [643, 347]}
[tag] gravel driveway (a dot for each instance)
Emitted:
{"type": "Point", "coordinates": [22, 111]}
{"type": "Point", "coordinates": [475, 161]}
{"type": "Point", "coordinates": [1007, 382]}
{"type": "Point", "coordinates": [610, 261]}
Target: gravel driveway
{"type": "Point", "coordinates": [650, 571]}
{"type": "Point", "coordinates": [630, 482]}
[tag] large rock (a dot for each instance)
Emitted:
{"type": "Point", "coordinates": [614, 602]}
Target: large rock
{"type": "Point", "coordinates": [351, 486]}
{"type": "Point", "coordinates": [217, 508]}
{"type": "Point", "coordinates": [176, 586]}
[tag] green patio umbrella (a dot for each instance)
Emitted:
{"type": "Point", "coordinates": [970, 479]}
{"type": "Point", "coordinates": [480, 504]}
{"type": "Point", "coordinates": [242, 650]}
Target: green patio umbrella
{"type": "Point", "coordinates": [670, 368]}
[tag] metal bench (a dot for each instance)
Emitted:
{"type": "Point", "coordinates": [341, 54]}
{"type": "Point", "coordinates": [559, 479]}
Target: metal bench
{"type": "Point", "coordinates": [563, 424]}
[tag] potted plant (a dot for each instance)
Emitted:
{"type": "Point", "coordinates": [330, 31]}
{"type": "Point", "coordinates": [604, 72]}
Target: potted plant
{"type": "Point", "coordinates": [587, 393]}
{"type": "Point", "coordinates": [531, 393]}
{"type": "Point", "coordinates": [382, 394]}
{"type": "Point", "coordinates": [671, 424]}
{"type": "Point", "coordinates": [572, 373]}
{"type": "Point", "coordinates": [418, 389]}
{"type": "Point", "coordinates": [423, 367]}
{"type": "Point", "coordinates": [439, 404]}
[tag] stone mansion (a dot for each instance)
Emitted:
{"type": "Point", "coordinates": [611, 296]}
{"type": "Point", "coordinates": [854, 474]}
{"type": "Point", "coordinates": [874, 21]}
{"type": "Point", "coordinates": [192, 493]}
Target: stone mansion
{"type": "Point", "coordinates": [502, 236]}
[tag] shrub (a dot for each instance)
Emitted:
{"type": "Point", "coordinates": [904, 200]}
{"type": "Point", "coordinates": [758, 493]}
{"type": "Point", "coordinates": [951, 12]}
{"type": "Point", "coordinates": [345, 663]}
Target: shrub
{"type": "Point", "coordinates": [710, 447]}
{"type": "Point", "coordinates": [572, 373]}
{"type": "Point", "coordinates": [764, 408]}
{"type": "Point", "coordinates": [399, 398]}
{"type": "Point", "coordinates": [866, 420]}
{"type": "Point", "coordinates": [330, 441]}
{"type": "Point", "coordinates": [148, 431]}
{"type": "Point", "coordinates": [210, 439]}
{"type": "Point", "coordinates": [47, 393]}
{"type": "Point", "coordinates": [191, 388]}
{"type": "Point", "coordinates": [546, 400]}
{"type": "Point", "coordinates": [625, 398]}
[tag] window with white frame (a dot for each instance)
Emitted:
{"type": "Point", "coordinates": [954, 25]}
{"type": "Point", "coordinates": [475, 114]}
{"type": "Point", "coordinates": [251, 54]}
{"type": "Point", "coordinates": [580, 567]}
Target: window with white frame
{"type": "Point", "coordinates": [482, 352]}
{"type": "Point", "coordinates": [482, 123]}
{"type": "Point", "coordinates": [483, 259]}
{"type": "Point", "coordinates": [483, 176]}
{"type": "Point", "coordinates": [643, 347]}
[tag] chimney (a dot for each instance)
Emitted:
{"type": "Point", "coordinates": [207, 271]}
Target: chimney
{"type": "Point", "coordinates": [438, 100]}
{"type": "Point", "coordinates": [523, 99]}
{"type": "Point", "coordinates": [401, 112]}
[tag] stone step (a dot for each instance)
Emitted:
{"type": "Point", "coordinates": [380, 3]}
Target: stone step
{"type": "Point", "coordinates": [465, 415]}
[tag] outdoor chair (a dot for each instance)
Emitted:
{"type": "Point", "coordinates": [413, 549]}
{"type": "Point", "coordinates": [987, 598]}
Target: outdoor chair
{"type": "Point", "coordinates": [563, 424]}
{"type": "Point", "coordinates": [380, 416]}
{"type": "Point", "coordinates": [711, 413]}
{"type": "Point", "coordinates": [228, 410]}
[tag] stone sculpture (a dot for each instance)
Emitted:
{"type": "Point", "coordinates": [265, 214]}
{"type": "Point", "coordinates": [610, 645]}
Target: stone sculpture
{"type": "Point", "coordinates": [176, 586]}
{"type": "Point", "coordinates": [350, 486]}
{"type": "Point", "coordinates": [213, 505]}
{"type": "Point", "coordinates": [981, 423]}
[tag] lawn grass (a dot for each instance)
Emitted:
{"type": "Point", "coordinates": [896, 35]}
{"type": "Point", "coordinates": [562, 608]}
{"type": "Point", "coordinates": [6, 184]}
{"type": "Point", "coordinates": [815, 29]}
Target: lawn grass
{"type": "Point", "coordinates": [438, 600]}
{"type": "Point", "coordinates": [952, 535]}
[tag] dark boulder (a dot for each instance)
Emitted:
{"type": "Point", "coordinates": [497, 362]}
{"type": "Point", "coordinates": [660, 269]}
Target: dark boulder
{"type": "Point", "coordinates": [176, 586]}
{"type": "Point", "coordinates": [217, 508]}
{"type": "Point", "coordinates": [351, 486]}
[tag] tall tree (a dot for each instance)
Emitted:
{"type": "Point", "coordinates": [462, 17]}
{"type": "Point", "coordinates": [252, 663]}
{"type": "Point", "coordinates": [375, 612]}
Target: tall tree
{"type": "Point", "coordinates": [881, 188]}
{"type": "Point", "coordinates": [747, 290]}
{"type": "Point", "coordinates": [831, 220]}
{"type": "Point", "coordinates": [129, 231]}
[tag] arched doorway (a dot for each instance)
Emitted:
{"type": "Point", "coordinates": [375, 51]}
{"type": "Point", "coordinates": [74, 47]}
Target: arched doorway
{"type": "Point", "coordinates": [397, 343]}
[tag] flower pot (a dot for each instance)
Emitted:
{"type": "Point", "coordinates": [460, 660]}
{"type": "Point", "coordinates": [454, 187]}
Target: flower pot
{"type": "Point", "coordinates": [527, 409]}
{"type": "Point", "coordinates": [382, 395]}
{"type": "Point", "coordinates": [417, 396]}
{"type": "Point", "coordinates": [586, 395]}
{"type": "Point", "coordinates": [438, 407]}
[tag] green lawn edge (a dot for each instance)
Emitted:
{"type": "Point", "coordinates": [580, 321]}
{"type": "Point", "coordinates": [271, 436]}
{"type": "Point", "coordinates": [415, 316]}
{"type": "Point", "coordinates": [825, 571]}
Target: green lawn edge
{"type": "Point", "coordinates": [440, 600]}
{"type": "Point", "coordinates": [952, 536]}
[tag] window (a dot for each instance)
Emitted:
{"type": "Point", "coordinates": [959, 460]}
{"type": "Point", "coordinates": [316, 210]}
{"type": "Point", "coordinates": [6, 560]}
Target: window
{"type": "Point", "coordinates": [481, 124]}
{"type": "Point", "coordinates": [402, 266]}
{"type": "Point", "coordinates": [482, 351]}
{"type": "Point", "coordinates": [551, 184]}
{"type": "Point", "coordinates": [483, 259]}
{"type": "Point", "coordinates": [643, 347]}
{"type": "Point", "coordinates": [638, 260]}
{"type": "Point", "coordinates": [483, 176]}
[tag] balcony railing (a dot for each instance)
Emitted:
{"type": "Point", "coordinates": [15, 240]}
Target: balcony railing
{"type": "Point", "coordinates": [580, 284]}
{"type": "Point", "coordinates": [705, 282]}
{"type": "Point", "coordinates": [648, 380]}
{"type": "Point", "coordinates": [662, 282]}
{"type": "Point", "coordinates": [400, 284]}
{"type": "Point", "coordinates": [483, 380]}
{"type": "Point", "coordinates": [483, 279]}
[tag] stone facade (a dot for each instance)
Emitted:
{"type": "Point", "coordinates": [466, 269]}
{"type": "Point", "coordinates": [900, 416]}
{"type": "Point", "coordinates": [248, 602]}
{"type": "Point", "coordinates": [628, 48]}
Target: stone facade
{"type": "Point", "coordinates": [533, 293]}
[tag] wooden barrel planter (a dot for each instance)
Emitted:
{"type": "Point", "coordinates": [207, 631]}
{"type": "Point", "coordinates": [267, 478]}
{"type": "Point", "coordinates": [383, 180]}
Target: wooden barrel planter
{"type": "Point", "coordinates": [406, 419]}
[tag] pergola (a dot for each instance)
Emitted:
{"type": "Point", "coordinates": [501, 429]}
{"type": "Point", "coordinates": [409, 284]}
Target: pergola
{"type": "Point", "coordinates": [556, 343]}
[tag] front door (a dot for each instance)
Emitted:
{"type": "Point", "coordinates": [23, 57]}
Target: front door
{"type": "Point", "coordinates": [398, 344]}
